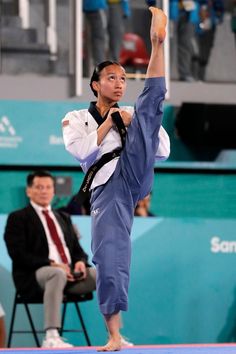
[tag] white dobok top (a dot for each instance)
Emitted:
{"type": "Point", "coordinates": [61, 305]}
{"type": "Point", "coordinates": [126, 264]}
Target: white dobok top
{"type": "Point", "coordinates": [80, 138]}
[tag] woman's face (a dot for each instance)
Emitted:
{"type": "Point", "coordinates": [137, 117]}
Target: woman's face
{"type": "Point", "coordinates": [112, 83]}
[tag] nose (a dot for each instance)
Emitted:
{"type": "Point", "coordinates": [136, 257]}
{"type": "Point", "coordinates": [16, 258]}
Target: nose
{"type": "Point", "coordinates": [119, 83]}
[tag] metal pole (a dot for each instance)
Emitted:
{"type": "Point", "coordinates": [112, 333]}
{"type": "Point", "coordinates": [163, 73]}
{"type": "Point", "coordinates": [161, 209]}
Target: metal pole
{"type": "Point", "coordinates": [24, 13]}
{"type": "Point", "coordinates": [78, 38]}
{"type": "Point", "coordinates": [165, 6]}
{"type": "Point", "coordinates": [0, 38]}
{"type": "Point", "coordinates": [52, 29]}
{"type": "Point", "coordinates": [71, 38]}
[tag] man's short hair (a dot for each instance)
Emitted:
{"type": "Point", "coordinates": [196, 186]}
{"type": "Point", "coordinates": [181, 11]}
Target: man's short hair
{"type": "Point", "coordinates": [40, 173]}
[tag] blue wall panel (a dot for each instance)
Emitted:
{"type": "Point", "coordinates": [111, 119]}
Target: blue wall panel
{"type": "Point", "coordinates": [182, 286]}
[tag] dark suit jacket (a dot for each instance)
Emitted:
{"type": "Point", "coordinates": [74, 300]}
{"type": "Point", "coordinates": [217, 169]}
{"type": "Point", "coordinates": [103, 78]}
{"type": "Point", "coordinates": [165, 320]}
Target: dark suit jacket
{"type": "Point", "coordinates": [27, 246]}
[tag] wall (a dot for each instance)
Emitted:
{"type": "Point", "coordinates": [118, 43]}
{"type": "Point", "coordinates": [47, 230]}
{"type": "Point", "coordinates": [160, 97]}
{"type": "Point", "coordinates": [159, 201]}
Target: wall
{"type": "Point", "coordinates": [182, 276]}
{"type": "Point", "coordinates": [182, 287]}
{"type": "Point", "coordinates": [32, 137]}
{"type": "Point", "coordinates": [192, 194]}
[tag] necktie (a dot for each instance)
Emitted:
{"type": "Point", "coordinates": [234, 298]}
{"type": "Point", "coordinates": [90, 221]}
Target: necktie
{"type": "Point", "coordinates": [55, 237]}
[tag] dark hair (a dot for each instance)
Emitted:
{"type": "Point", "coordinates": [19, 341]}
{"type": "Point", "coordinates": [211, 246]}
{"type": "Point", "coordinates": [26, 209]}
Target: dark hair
{"type": "Point", "coordinates": [97, 71]}
{"type": "Point", "coordinates": [41, 173]}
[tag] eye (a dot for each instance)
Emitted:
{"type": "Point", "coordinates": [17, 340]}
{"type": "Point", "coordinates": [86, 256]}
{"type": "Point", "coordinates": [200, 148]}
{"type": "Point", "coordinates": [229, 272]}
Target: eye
{"type": "Point", "coordinates": [111, 77]}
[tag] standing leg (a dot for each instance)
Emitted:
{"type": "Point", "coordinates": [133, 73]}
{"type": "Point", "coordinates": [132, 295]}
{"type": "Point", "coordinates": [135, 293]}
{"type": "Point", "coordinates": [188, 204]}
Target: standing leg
{"type": "Point", "coordinates": [155, 69]}
{"type": "Point", "coordinates": [111, 247]}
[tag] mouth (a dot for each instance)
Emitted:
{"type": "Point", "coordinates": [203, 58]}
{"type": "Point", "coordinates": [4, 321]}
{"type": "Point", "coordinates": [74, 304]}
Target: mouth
{"type": "Point", "coordinates": [44, 197]}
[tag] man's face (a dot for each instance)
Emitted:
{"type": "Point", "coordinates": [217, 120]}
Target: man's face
{"type": "Point", "coordinates": [112, 83]}
{"type": "Point", "coordinates": [42, 191]}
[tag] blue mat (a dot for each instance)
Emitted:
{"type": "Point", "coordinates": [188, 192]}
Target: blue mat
{"type": "Point", "coordinates": [159, 349]}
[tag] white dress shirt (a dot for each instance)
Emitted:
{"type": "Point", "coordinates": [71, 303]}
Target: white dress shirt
{"type": "Point", "coordinates": [53, 252]}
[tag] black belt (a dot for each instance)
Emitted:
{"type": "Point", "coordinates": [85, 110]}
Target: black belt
{"type": "Point", "coordinates": [83, 192]}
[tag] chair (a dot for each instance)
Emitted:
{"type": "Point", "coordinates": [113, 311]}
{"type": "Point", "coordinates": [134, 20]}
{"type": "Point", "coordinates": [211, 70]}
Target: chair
{"type": "Point", "coordinates": [134, 53]}
{"type": "Point", "coordinates": [68, 298]}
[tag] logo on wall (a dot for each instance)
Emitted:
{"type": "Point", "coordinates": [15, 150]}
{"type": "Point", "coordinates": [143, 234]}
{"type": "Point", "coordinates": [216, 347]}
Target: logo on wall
{"type": "Point", "coordinates": [8, 137]}
{"type": "Point", "coordinates": [56, 140]}
{"type": "Point", "coordinates": [222, 246]}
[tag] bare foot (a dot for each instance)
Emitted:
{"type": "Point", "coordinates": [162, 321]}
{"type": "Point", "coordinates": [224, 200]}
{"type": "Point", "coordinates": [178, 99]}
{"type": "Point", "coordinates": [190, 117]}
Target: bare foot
{"type": "Point", "coordinates": [113, 345]}
{"type": "Point", "coordinates": [158, 25]}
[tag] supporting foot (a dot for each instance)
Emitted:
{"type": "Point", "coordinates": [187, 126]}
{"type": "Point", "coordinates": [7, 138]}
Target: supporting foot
{"type": "Point", "coordinates": [111, 346]}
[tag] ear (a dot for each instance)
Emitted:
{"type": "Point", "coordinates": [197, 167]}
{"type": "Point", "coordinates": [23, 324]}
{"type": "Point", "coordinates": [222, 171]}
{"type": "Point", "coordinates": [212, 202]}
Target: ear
{"type": "Point", "coordinates": [95, 85]}
{"type": "Point", "coordinates": [27, 191]}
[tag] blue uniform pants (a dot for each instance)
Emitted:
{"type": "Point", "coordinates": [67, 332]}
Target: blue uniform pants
{"type": "Point", "coordinates": [112, 204]}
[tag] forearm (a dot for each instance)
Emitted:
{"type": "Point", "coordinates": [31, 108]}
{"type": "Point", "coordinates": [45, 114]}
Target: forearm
{"type": "Point", "coordinates": [30, 261]}
{"type": "Point", "coordinates": [80, 256]}
{"type": "Point", "coordinates": [23, 258]}
{"type": "Point", "coordinates": [103, 130]}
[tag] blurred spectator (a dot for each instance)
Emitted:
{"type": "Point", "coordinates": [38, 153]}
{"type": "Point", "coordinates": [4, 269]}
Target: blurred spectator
{"type": "Point", "coordinates": [143, 207]}
{"type": "Point", "coordinates": [185, 17]}
{"type": "Point", "coordinates": [211, 15]}
{"type": "Point", "coordinates": [2, 328]}
{"type": "Point", "coordinates": [106, 25]}
{"type": "Point", "coordinates": [117, 12]}
{"type": "Point", "coordinates": [95, 17]}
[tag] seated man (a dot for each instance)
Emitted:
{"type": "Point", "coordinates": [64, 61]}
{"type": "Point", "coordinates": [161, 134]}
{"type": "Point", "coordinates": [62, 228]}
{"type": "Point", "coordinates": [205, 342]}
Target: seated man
{"type": "Point", "coordinates": [46, 254]}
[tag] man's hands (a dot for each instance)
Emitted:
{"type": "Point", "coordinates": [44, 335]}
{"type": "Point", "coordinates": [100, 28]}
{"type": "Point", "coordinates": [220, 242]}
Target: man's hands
{"type": "Point", "coordinates": [79, 267]}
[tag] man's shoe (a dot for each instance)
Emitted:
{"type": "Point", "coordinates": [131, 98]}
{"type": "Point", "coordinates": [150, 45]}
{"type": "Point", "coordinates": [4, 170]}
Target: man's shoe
{"type": "Point", "coordinates": [125, 342]}
{"type": "Point", "coordinates": [55, 342]}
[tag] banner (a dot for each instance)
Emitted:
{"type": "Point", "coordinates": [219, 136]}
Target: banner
{"type": "Point", "coordinates": [31, 134]}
